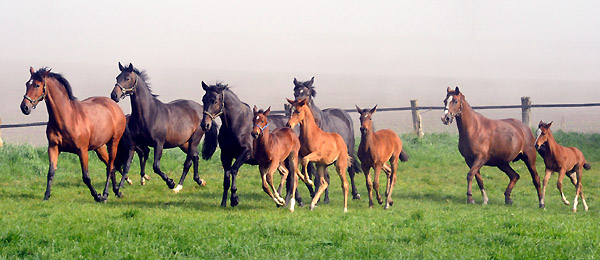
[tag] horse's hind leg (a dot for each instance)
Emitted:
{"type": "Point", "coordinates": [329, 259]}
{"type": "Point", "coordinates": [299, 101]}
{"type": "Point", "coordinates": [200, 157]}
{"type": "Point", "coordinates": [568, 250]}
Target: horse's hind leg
{"type": "Point", "coordinates": [481, 187]}
{"type": "Point", "coordinates": [321, 169]}
{"type": "Point", "coordinates": [83, 160]}
{"type": "Point", "coordinates": [158, 149]}
{"type": "Point", "coordinates": [341, 166]}
{"type": "Point", "coordinates": [535, 178]}
{"type": "Point", "coordinates": [391, 182]}
{"type": "Point", "coordinates": [351, 173]}
{"type": "Point", "coordinates": [143, 153]}
{"type": "Point", "coordinates": [53, 153]}
{"type": "Point", "coordinates": [186, 165]}
{"type": "Point", "coordinates": [514, 177]}
{"type": "Point", "coordinates": [579, 190]}
{"type": "Point", "coordinates": [195, 158]}
{"type": "Point", "coordinates": [545, 184]}
{"type": "Point", "coordinates": [112, 146]}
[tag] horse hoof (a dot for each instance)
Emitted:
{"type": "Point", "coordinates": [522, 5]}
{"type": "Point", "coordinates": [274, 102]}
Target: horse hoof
{"type": "Point", "coordinates": [143, 182]}
{"type": "Point", "coordinates": [566, 202]}
{"type": "Point", "coordinates": [356, 196]}
{"type": "Point", "coordinates": [202, 183]}
{"type": "Point", "coordinates": [119, 194]}
{"type": "Point", "coordinates": [326, 200]}
{"type": "Point", "coordinates": [470, 201]}
{"type": "Point", "coordinates": [300, 204]}
{"type": "Point", "coordinates": [380, 201]}
{"type": "Point", "coordinates": [312, 206]}
{"type": "Point", "coordinates": [129, 181]}
{"type": "Point", "coordinates": [234, 201]}
{"type": "Point", "coordinates": [574, 210]}
{"type": "Point", "coordinates": [542, 205]}
{"type": "Point", "coordinates": [170, 183]}
{"type": "Point", "coordinates": [387, 206]}
{"type": "Point", "coordinates": [146, 176]}
{"type": "Point", "coordinates": [508, 202]}
{"type": "Point", "coordinates": [391, 203]}
{"type": "Point", "coordinates": [178, 188]}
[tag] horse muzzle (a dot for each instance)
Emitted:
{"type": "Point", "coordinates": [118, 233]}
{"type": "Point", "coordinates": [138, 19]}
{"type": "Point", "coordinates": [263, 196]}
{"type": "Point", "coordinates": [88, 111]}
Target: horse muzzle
{"type": "Point", "coordinates": [26, 107]}
{"type": "Point", "coordinates": [205, 124]}
{"type": "Point", "coordinates": [254, 134]}
{"type": "Point", "coordinates": [447, 119]}
{"type": "Point", "coordinates": [363, 130]}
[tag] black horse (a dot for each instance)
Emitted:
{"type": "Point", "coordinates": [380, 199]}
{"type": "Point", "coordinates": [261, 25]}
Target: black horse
{"type": "Point", "coordinates": [235, 139]}
{"type": "Point", "coordinates": [330, 120]}
{"type": "Point", "coordinates": [159, 125]}
{"type": "Point", "coordinates": [123, 158]}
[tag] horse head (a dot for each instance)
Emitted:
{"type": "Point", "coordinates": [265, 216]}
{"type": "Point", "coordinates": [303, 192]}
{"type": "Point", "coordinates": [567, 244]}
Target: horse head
{"type": "Point", "coordinates": [213, 102]}
{"type": "Point", "coordinates": [366, 122]}
{"type": "Point", "coordinates": [453, 105]}
{"type": "Point", "coordinates": [260, 121]}
{"type": "Point", "coordinates": [126, 82]}
{"type": "Point", "coordinates": [35, 90]}
{"type": "Point", "coordinates": [299, 110]}
{"type": "Point", "coordinates": [304, 89]}
{"type": "Point", "coordinates": [542, 134]}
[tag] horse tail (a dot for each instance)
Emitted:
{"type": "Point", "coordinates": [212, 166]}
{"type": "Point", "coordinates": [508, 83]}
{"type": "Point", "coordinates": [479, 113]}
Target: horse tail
{"type": "Point", "coordinates": [211, 140]}
{"type": "Point", "coordinates": [354, 163]}
{"type": "Point", "coordinates": [587, 166]}
{"type": "Point", "coordinates": [403, 156]}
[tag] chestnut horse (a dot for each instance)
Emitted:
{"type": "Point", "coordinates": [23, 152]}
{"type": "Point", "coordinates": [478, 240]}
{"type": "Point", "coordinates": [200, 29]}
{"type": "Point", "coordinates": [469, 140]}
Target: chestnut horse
{"type": "Point", "coordinates": [271, 150]}
{"type": "Point", "coordinates": [375, 149]}
{"type": "Point", "coordinates": [323, 148]}
{"type": "Point", "coordinates": [564, 160]}
{"type": "Point", "coordinates": [163, 126]}
{"type": "Point", "coordinates": [76, 126]}
{"type": "Point", "coordinates": [483, 141]}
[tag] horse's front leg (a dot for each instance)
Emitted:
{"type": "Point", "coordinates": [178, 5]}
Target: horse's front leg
{"type": "Point", "coordinates": [83, 159]}
{"type": "Point", "coordinates": [545, 184]}
{"type": "Point", "coordinates": [243, 158]}
{"type": "Point", "coordinates": [158, 149]}
{"type": "Point", "coordinates": [226, 163]}
{"type": "Point", "coordinates": [475, 166]}
{"type": "Point", "coordinates": [53, 153]}
{"type": "Point", "coordinates": [377, 173]}
{"type": "Point", "coordinates": [561, 176]}
{"type": "Point", "coordinates": [366, 170]}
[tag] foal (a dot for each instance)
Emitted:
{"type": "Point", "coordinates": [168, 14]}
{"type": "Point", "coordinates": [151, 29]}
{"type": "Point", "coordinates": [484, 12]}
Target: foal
{"type": "Point", "coordinates": [374, 150]}
{"type": "Point", "coordinates": [271, 150]}
{"type": "Point", "coordinates": [563, 160]}
{"type": "Point", "coordinates": [321, 147]}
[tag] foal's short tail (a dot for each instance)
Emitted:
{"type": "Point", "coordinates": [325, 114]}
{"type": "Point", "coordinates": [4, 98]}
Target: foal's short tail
{"type": "Point", "coordinates": [210, 142]}
{"type": "Point", "coordinates": [403, 156]}
{"type": "Point", "coordinates": [587, 166]}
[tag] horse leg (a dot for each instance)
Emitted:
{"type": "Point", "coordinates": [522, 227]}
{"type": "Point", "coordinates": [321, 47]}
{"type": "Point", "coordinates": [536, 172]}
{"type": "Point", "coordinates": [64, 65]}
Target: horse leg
{"type": "Point", "coordinates": [157, 155]}
{"type": "Point", "coordinates": [226, 162]}
{"type": "Point", "coordinates": [341, 165]}
{"type": "Point", "coordinates": [561, 176]}
{"type": "Point", "coordinates": [284, 172]}
{"type": "Point", "coordinates": [143, 154]}
{"type": "Point", "coordinates": [310, 174]}
{"type": "Point", "coordinates": [269, 178]}
{"type": "Point", "coordinates": [53, 153]}
{"type": "Point", "coordinates": [290, 191]}
{"type": "Point", "coordinates": [265, 184]}
{"type": "Point", "coordinates": [112, 146]}
{"type": "Point", "coordinates": [292, 200]}
{"type": "Point", "coordinates": [351, 173]}
{"type": "Point", "coordinates": [326, 199]}
{"type": "Point", "coordinates": [535, 178]}
{"type": "Point", "coordinates": [186, 148]}
{"type": "Point", "coordinates": [578, 188]}
{"type": "Point", "coordinates": [481, 187]}
{"type": "Point", "coordinates": [366, 170]}
{"type": "Point", "coordinates": [321, 169]}
{"type": "Point", "coordinates": [514, 177]}
{"type": "Point", "coordinates": [83, 160]}
{"type": "Point", "coordinates": [475, 167]}
{"type": "Point", "coordinates": [545, 184]}
{"type": "Point", "coordinates": [391, 182]}
{"type": "Point", "coordinates": [377, 173]}
{"type": "Point", "coordinates": [244, 156]}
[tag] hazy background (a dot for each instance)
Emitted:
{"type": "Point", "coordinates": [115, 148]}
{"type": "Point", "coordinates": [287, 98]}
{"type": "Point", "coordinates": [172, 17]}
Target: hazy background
{"type": "Point", "coordinates": [364, 53]}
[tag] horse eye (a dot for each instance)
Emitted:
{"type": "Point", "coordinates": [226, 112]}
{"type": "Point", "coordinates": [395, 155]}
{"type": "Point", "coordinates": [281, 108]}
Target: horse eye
{"type": "Point", "coordinates": [454, 101]}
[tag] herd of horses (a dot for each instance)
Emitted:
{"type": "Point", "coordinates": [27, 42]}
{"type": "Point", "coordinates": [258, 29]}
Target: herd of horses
{"type": "Point", "coordinates": [309, 137]}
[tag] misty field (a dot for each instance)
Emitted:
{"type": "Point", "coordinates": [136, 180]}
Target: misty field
{"type": "Point", "coordinates": [429, 218]}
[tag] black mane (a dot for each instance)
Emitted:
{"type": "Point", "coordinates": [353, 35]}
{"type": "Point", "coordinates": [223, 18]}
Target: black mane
{"type": "Point", "coordinates": [144, 76]}
{"type": "Point", "coordinates": [38, 75]}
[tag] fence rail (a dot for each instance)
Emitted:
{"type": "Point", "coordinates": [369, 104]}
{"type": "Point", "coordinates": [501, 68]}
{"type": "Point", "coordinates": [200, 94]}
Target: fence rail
{"type": "Point", "coordinates": [525, 106]}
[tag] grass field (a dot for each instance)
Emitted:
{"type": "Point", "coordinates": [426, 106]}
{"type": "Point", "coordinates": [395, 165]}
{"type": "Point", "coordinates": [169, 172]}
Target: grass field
{"type": "Point", "coordinates": [429, 218]}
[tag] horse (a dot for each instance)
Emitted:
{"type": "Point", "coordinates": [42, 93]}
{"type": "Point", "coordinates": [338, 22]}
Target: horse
{"type": "Point", "coordinates": [330, 120]}
{"type": "Point", "coordinates": [123, 158]}
{"type": "Point", "coordinates": [375, 149]}
{"type": "Point", "coordinates": [483, 141]}
{"type": "Point", "coordinates": [323, 148]}
{"type": "Point", "coordinates": [234, 138]}
{"type": "Point", "coordinates": [271, 150]}
{"type": "Point", "coordinates": [74, 126]}
{"type": "Point", "coordinates": [163, 126]}
{"type": "Point", "coordinates": [564, 160]}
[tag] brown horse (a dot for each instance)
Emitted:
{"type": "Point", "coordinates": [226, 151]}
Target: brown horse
{"type": "Point", "coordinates": [564, 160]}
{"type": "Point", "coordinates": [270, 151]}
{"type": "Point", "coordinates": [321, 147]}
{"type": "Point", "coordinates": [483, 141]}
{"type": "Point", "coordinates": [76, 126]}
{"type": "Point", "coordinates": [375, 149]}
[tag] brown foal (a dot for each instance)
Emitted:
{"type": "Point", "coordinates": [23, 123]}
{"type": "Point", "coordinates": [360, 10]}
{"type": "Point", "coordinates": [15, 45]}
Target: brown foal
{"type": "Point", "coordinates": [564, 160]}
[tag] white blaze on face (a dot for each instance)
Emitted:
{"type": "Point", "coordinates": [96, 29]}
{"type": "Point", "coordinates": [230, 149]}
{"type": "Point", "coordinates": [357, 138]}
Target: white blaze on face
{"type": "Point", "coordinates": [537, 134]}
{"type": "Point", "coordinates": [257, 117]}
{"type": "Point", "coordinates": [446, 110]}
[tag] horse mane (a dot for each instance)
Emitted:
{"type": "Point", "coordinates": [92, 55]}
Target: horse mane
{"type": "Point", "coordinates": [38, 75]}
{"type": "Point", "coordinates": [145, 78]}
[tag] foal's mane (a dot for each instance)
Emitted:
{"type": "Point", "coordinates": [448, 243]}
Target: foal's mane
{"type": "Point", "coordinates": [39, 76]}
{"type": "Point", "coordinates": [144, 76]}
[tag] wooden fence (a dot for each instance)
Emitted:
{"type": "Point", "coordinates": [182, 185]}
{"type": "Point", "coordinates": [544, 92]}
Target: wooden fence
{"type": "Point", "coordinates": [414, 107]}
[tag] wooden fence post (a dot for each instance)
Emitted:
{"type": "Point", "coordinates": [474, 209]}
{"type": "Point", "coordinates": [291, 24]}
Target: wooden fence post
{"type": "Point", "coordinates": [416, 116]}
{"type": "Point", "coordinates": [525, 110]}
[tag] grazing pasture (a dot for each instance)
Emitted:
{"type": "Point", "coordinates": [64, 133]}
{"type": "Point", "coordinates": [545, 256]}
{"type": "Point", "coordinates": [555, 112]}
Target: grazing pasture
{"type": "Point", "coordinates": [430, 218]}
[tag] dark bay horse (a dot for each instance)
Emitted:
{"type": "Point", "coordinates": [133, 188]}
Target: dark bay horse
{"type": "Point", "coordinates": [322, 148]}
{"type": "Point", "coordinates": [235, 139]}
{"type": "Point", "coordinates": [123, 159]}
{"type": "Point", "coordinates": [564, 160]}
{"type": "Point", "coordinates": [483, 141]}
{"type": "Point", "coordinates": [330, 120]}
{"type": "Point", "coordinates": [375, 149]}
{"type": "Point", "coordinates": [163, 126]}
{"type": "Point", "coordinates": [271, 150]}
{"type": "Point", "coordinates": [76, 126]}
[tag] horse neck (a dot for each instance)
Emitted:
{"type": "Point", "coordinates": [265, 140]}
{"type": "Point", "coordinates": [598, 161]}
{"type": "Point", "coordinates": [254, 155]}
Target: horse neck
{"type": "Point", "coordinates": [553, 146]}
{"type": "Point", "coordinates": [468, 120]}
{"type": "Point", "coordinates": [232, 108]}
{"type": "Point", "coordinates": [368, 137]}
{"type": "Point", "coordinates": [58, 104]}
{"type": "Point", "coordinates": [308, 126]}
{"type": "Point", "coordinates": [141, 99]}
{"type": "Point", "coordinates": [264, 139]}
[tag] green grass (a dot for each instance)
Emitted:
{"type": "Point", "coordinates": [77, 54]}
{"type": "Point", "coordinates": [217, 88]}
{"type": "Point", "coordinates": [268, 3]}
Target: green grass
{"type": "Point", "coordinates": [429, 218]}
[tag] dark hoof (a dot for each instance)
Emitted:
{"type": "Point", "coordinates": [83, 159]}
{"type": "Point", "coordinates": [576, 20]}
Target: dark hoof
{"type": "Point", "coordinates": [380, 201]}
{"type": "Point", "coordinates": [235, 201]}
{"type": "Point", "coordinates": [200, 182]}
{"type": "Point", "coordinates": [356, 196]}
{"type": "Point", "coordinates": [119, 194]}
{"type": "Point", "coordinates": [542, 206]}
{"type": "Point", "coordinates": [508, 202]}
{"type": "Point", "coordinates": [46, 197]}
{"type": "Point", "coordinates": [326, 200]}
{"type": "Point", "coordinates": [99, 198]}
{"type": "Point", "coordinates": [391, 203]}
{"type": "Point", "coordinates": [300, 203]}
{"type": "Point", "coordinates": [170, 183]}
{"type": "Point", "coordinates": [470, 201]}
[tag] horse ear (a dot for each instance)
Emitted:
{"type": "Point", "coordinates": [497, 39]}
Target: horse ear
{"type": "Point", "coordinates": [295, 81]}
{"type": "Point", "coordinates": [457, 90]}
{"type": "Point", "coordinates": [448, 90]}
{"type": "Point", "coordinates": [46, 73]}
{"type": "Point", "coordinates": [290, 101]}
{"type": "Point", "coordinates": [121, 67]}
{"type": "Point", "coordinates": [31, 70]}
{"type": "Point", "coordinates": [373, 109]}
{"type": "Point", "coordinates": [130, 68]}
{"type": "Point", "coordinates": [204, 86]}
{"type": "Point", "coordinates": [310, 82]}
{"type": "Point", "coordinates": [266, 113]}
{"type": "Point", "coordinates": [549, 124]}
{"type": "Point", "coordinates": [358, 109]}
{"type": "Point", "coordinates": [541, 124]}
{"type": "Point", "coordinates": [254, 110]}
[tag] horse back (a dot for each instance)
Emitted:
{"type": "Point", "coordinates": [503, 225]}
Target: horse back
{"type": "Point", "coordinates": [102, 118]}
{"type": "Point", "coordinates": [337, 121]}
